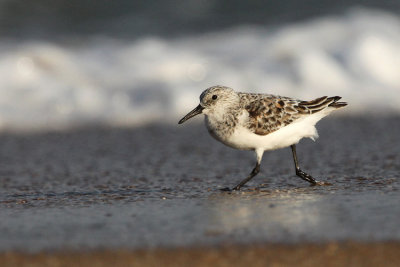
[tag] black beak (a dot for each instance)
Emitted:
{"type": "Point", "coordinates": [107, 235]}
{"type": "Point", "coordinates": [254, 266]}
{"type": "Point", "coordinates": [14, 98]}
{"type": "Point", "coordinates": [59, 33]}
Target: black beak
{"type": "Point", "coordinates": [194, 112]}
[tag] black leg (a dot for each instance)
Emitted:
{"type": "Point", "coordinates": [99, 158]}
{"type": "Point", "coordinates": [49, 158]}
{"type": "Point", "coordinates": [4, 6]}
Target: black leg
{"type": "Point", "coordinates": [253, 173]}
{"type": "Point", "coordinates": [299, 172]}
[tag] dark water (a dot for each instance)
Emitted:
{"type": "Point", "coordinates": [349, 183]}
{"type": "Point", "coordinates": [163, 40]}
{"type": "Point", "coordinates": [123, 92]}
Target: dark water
{"type": "Point", "coordinates": [74, 19]}
{"type": "Point", "coordinates": [158, 186]}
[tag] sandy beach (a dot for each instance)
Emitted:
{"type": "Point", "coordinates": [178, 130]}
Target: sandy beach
{"type": "Point", "coordinates": [100, 196]}
{"type": "Point", "coordinates": [332, 254]}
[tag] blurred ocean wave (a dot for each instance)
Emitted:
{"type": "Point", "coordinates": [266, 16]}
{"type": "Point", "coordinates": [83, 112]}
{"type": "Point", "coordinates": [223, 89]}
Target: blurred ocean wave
{"type": "Point", "coordinates": [105, 80]}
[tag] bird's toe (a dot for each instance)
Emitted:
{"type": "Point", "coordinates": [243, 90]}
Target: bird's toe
{"type": "Point", "coordinates": [226, 189]}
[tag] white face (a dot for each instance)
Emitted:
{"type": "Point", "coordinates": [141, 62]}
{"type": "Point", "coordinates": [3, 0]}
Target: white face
{"type": "Point", "coordinates": [209, 100]}
{"type": "Point", "coordinates": [213, 100]}
{"type": "Point", "coordinates": [217, 99]}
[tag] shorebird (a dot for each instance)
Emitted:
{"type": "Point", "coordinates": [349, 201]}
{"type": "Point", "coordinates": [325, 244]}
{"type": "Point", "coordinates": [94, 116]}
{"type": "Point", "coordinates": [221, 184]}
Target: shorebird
{"type": "Point", "coordinates": [262, 122]}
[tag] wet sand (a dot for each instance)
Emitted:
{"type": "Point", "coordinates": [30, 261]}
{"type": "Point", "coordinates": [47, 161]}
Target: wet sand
{"type": "Point", "coordinates": [332, 254]}
{"type": "Point", "coordinates": [154, 191]}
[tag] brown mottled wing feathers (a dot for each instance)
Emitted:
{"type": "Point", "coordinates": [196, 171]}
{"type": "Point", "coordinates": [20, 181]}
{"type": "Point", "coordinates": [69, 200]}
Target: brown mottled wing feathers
{"type": "Point", "coordinates": [268, 113]}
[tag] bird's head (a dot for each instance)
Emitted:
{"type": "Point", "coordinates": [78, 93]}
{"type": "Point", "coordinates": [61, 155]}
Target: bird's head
{"type": "Point", "coordinates": [213, 100]}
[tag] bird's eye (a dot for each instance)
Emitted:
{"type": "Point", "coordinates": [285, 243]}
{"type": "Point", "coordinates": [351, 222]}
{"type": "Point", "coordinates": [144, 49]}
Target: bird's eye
{"type": "Point", "coordinates": [214, 97]}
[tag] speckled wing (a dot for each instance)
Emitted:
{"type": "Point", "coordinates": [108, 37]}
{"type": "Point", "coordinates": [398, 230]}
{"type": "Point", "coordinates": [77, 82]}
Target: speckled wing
{"type": "Point", "coordinates": [268, 113]}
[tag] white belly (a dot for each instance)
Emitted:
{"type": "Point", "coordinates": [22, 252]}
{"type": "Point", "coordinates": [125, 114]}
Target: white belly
{"type": "Point", "coordinates": [243, 138]}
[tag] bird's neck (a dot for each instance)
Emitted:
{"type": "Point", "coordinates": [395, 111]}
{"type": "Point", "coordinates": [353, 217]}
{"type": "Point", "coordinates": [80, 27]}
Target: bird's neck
{"type": "Point", "coordinates": [221, 123]}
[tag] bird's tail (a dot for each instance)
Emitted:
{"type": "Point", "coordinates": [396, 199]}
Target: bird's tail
{"type": "Point", "coordinates": [321, 103]}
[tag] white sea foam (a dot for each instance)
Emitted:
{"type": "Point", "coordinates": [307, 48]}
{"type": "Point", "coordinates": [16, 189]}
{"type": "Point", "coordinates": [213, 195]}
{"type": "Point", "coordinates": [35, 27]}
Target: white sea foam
{"type": "Point", "coordinates": [47, 85]}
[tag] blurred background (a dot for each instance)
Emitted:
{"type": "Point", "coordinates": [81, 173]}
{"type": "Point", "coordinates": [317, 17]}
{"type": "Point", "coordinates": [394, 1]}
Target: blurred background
{"type": "Point", "coordinates": [66, 63]}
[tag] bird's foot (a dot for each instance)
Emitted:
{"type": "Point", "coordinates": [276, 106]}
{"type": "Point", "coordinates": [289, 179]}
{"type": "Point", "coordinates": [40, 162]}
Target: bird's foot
{"type": "Point", "coordinates": [236, 188]}
{"type": "Point", "coordinates": [305, 176]}
{"type": "Point", "coordinates": [309, 178]}
{"type": "Point", "coordinates": [225, 189]}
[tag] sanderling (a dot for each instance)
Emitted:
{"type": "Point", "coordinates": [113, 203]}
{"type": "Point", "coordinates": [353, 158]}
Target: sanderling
{"type": "Point", "coordinates": [262, 122]}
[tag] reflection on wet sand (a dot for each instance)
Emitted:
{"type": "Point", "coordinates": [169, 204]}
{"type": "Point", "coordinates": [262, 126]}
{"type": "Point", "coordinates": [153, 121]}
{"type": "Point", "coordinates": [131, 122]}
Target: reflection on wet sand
{"type": "Point", "coordinates": [265, 214]}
